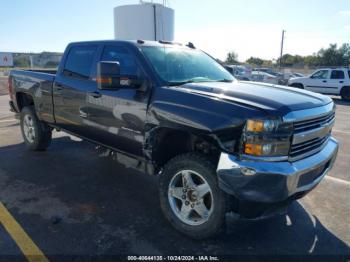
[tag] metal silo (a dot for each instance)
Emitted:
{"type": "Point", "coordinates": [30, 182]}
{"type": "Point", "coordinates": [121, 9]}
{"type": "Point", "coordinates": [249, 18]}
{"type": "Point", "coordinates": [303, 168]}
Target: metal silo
{"type": "Point", "coordinates": [147, 21]}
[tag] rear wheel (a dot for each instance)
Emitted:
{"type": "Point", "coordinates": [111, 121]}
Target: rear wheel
{"type": "Point", "coordinates": [36, 134]}
{"type": "Point", "coordinates": [299, 86]}
{"type": "Point", "coordinates": [345, 93]}
{"type": "Point", "coordinates": [190, 197]}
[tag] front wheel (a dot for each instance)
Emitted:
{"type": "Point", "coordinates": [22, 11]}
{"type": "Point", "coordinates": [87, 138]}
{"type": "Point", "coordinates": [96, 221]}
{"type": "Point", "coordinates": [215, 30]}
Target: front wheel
{"type": "Point", "coordinates": [345, 93]}
{"type": "Point", "coordinates": [299, 86]}
{"type": "Point", "coordinates": [36, 134]}
{"type": "Point", "coordinates": [190, 196]}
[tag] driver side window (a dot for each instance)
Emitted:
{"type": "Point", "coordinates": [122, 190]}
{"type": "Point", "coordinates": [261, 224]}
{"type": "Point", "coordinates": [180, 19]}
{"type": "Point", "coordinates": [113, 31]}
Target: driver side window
{"type": "Point", "coordinates": [127, 61]}
{"type": "Point", "coordinates": [322, 74]}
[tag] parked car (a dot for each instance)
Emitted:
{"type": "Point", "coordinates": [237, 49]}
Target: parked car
{"type": "Point", "coordinates": [326, 81]}
{"type": "Point", "coordinates": [259, 76]}
{"type": "Point", "coordinates": [240, 72]}
{"type": "Point", "coordinates": [280, 77]}
{"type": "Point", "coordinates": [217, 145]}
{"type": "Point", "coordinates": [266, 70]}
{"type": "Point", "coordinates": [296, 75]}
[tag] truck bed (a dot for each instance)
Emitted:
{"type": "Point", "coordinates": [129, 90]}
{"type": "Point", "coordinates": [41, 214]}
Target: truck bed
{"type": "Point", "coordinates": [36, 84]}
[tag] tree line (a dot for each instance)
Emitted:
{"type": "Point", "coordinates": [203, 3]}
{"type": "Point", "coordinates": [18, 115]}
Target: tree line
{"type": "Point", "coordinates": [331, 56]}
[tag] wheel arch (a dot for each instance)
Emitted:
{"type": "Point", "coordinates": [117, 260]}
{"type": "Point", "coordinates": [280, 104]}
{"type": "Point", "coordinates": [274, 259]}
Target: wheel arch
{"type": "Point", "coordinates": [24, 99]}
{"type": "Point", "coordinates": [298, 85]}
{"type": "Point", "coordinates": [164, 143]}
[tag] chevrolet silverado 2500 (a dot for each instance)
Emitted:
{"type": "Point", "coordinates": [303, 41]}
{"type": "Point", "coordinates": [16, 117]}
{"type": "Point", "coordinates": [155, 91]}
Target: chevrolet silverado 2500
{"type": "Point", "coordinates": [217, 145]}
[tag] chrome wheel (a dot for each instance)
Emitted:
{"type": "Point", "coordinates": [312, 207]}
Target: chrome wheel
{"type": "Point", "coordinates": [28, 128]}
{"type": "Point", "coordinates": [190, 197]}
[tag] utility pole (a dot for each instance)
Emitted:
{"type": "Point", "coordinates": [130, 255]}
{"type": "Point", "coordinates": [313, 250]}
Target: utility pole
{"type": "Point", "coordinates": [282, 43]}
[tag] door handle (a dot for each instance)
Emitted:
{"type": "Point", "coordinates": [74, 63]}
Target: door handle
{"type": "Point", "coordinates": [95, 94]}
{"type": "Point", "coordinates": [324, 81]}
{"type": "Point", "coordinates": [341, 82]}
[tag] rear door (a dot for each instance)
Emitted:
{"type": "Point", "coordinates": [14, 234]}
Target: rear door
{"type": "Point", "coordinates": [318, 82]}
{"type": "Point", "coordinates": [71, 88]}
{"type": "Point", "coordinates": [118, 116]}
{"type": "Point", "coordinates": [336, 82]}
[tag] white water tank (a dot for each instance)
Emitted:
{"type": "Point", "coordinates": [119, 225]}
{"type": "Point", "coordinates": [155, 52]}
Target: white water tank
{"type": "Point", "coordinates": [146, 21]}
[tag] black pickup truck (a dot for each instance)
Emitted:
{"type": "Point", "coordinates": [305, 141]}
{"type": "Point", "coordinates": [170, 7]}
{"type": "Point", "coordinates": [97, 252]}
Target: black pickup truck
{"type": "Point", "coordinates": [217, 145]}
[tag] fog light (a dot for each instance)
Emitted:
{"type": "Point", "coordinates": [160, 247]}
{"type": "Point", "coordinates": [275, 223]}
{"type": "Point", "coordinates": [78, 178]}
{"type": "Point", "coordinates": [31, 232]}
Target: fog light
{"type": "Point", "coordinates": [248, 171]}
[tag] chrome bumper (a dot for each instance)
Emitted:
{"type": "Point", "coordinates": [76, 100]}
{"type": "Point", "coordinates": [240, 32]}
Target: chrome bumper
{"type": "Point", "coordinates": [271, 182]}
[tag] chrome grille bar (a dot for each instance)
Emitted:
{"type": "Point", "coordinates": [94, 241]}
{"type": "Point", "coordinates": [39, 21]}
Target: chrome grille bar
{"type": "Point", "coordinates": [312, 130]}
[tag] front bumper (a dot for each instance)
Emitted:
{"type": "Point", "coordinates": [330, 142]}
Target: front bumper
{"type": "Point", "coordinates": [274, 182]}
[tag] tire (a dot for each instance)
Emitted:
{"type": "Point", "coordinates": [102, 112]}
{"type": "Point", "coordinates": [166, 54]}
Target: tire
{"type": "Point", "coordinates": [299, 86]}
{"type": "Point", "coordinates": [345, 93]}
{"type": "Point", "coordinates": [212, 206]}
{"type": "Point", "coordinates": [36, 134]}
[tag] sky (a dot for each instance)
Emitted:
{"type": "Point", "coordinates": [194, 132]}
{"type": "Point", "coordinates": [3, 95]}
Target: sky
{"type": "Point", "coordinates": [249, 27]}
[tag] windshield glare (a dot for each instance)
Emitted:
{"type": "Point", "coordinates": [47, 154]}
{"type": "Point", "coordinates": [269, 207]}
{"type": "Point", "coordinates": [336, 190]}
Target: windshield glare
{"type": "Point", "coordinates": [178, 64]}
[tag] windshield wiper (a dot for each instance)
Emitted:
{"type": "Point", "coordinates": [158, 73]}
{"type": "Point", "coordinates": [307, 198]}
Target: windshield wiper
{"type": "Point", "coordinates": [225, 80]}
{"type": "Point", "coordinates": [180, 83]}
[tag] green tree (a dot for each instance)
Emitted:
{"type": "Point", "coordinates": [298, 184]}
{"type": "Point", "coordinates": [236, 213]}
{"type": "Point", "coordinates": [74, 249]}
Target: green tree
{"type": "Point", "coordinates": [312, 60]}
{"type": "Point", "coordinates": [334, 56]}
{"type": "Point", "coordinates": [232, 58]}
{"type": "Point", "coordinates": [21, 61]}
{"type": "Point", "coordinates": [267, 63]}
{"type": "Point", "coordinates": [51, 64]}
{"type": "Point", "coordinates": [255, 61]}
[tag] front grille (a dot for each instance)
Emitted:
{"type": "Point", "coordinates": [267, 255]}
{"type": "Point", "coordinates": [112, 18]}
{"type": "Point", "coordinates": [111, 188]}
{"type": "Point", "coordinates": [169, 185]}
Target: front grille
{"type": "Point", "coordinates": [308, 146]}
{"type": "Point", "coordinates": [311, 135]}
{"type": "Point", "coordinates": [302, 126]}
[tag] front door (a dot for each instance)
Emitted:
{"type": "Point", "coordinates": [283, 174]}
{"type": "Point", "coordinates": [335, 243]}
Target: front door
{"type": "Point", "coordinates": [118, 116]}
{"type": "Point", "coordinates": [318, 82]}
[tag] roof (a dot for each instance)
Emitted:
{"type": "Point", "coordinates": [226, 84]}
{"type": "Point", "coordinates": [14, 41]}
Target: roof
{"type": "Point", "coordinates": [132, 42]}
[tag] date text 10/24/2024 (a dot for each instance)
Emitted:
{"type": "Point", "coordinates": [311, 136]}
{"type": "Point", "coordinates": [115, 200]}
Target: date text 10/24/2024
{"type": "Point", "coordinates": [173, 258]}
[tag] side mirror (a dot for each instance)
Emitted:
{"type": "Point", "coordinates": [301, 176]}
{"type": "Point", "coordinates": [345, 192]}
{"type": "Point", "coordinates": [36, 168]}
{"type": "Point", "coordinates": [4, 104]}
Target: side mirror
{"type": "Point", "coordinates": [109, 77]}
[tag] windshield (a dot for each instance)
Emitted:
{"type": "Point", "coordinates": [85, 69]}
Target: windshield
{"type": "Point", "coordinates": [177, 65]}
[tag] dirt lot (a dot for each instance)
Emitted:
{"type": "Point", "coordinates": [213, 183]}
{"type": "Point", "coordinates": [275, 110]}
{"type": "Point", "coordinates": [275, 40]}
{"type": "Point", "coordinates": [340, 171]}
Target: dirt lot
{"type": "Point", "coordinates": [71, 200]}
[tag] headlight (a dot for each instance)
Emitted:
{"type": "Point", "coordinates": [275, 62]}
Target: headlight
{"type": "Point", "coordinates": [269, 138]}
{"type": "Point", "coordinates": [261, 125]}
{"type": "Point", "coordinates": [256, 147]}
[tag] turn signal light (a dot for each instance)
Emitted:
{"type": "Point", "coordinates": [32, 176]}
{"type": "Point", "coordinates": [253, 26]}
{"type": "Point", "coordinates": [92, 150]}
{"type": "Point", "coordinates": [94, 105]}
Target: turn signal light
{"type": "Point", "coordinates": [255, 126]}
{"type": "Point", "coordinates": [104, 80]}
{"type": "Point", "coordinates": [253, 149]}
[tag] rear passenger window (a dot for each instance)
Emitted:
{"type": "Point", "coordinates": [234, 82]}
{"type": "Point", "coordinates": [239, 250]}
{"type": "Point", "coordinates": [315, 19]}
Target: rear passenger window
{"type": "Point", "coordinates": [127, 61]}
{"type": "Point", "coordinates": [349, 73]}
{"type": "Point", "coordinates": [337, 74]}
{"type": "Point", "coordinates": [79, 61]}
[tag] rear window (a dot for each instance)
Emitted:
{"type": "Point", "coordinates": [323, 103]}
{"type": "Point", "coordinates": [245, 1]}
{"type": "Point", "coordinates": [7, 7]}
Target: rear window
{"type": "Point", "coordinates": [337, 74]}
{"type": "Point", "coordinates": [79, 61]}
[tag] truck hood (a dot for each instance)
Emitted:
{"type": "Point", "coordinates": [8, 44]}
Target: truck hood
{"type": "Point", "coordinates": [275, 99]}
